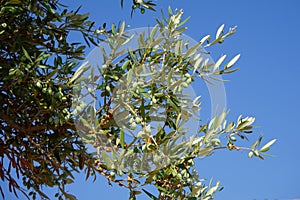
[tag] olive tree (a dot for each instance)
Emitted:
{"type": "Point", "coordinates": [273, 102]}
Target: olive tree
{"type": "Point", "coordinates": [141, 95]}
{"type": "Point", "coordinates": [131, 107]}
{"type": "Point", "coordinates": [38, 139]}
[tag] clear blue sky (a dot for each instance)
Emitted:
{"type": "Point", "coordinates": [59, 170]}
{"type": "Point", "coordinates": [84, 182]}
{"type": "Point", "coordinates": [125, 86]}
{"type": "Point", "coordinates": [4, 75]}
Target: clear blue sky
{"type": "Point", "coordinates": [266, 87]}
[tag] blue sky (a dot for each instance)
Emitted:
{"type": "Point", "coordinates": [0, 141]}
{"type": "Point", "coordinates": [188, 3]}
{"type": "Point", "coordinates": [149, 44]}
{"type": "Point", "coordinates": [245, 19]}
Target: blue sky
{"type": "Point", "coordinates": [266, 87]}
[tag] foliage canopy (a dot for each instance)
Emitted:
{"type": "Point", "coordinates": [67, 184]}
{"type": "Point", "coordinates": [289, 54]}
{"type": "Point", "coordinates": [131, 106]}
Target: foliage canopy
{"type": "Point", "coordinates": [40, 140]}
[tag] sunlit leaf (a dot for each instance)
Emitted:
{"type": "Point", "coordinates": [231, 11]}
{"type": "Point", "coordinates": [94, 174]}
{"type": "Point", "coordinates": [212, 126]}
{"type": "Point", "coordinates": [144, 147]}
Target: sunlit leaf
{"type": "Point", "coordinates": [220, 30]}
{"type": "Point", "coordinates": [267, 146]}
{"type": "Point", "coordinates": [232, 61]}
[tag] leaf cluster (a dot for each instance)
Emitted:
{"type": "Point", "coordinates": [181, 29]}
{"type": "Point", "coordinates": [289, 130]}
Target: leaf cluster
{"type": "Point", "coordinates": [37, 137]}
{"type": "Point", "coordinates": [132, 83]}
